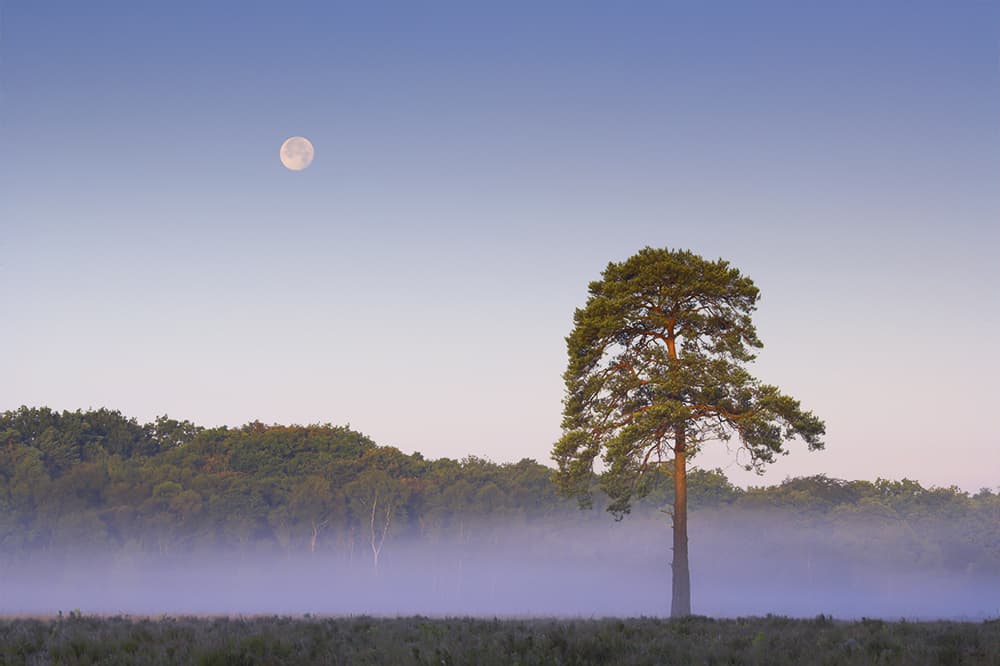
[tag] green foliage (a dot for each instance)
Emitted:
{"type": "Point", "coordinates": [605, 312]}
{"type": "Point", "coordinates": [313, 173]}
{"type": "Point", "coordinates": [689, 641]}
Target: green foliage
{"type": "Point", "coordinates": [303, 489]}
{"type": "Point", "coordinates": [656, 368]}
{"type": "Point", "coordinates": [67, 438]}
{"type": "Point", "coordinates": [293, 487]}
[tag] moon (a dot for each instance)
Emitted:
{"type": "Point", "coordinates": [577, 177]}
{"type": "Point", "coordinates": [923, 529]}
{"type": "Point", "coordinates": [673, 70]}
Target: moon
{"type": "Point", "coordinates": [297, 153]}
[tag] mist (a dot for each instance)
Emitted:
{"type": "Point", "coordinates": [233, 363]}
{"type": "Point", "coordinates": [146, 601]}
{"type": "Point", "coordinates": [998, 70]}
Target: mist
{"type": "Point", "coordinates": [592, 568]}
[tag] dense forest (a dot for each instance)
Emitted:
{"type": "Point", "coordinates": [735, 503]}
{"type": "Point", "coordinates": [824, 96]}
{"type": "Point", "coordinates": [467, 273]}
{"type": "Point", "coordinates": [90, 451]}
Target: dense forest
{"type": "Point", "coordinates": [98, 480]}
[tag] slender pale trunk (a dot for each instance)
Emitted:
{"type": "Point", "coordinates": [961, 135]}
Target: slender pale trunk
{"type": "Point", "coordinates": [375, 549]}
{"type": "Point", "coordinates": [680, 604]}
{"type": "Point", "coordinates": [315, 537]}
{"type": "Point", "coordinates": [378, 538]}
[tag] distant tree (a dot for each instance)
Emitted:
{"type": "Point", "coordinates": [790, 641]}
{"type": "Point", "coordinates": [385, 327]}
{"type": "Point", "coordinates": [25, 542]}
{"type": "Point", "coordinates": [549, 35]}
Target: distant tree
{"type": "Point", "coordinates": [381, 491]}
{"type": "Point", "coordinates": [807, 494]}
{"type": "Point", "coordinates": [25, 424]}
{"type": "Point", "coordinates": [314, 504]}
{"type": "Point", "coordinates": [166, 433]}
{"type": "Point", "coordinates": [656, 369]}
{"type": "Point", "coordinates": [61, 448]}
{"type": "Point", "coordinates": [378, 498]}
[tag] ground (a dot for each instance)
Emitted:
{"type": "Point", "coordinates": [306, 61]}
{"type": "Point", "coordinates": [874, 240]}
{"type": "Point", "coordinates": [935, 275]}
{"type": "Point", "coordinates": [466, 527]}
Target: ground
{"type": "Point", "coordinates": [78, 639]}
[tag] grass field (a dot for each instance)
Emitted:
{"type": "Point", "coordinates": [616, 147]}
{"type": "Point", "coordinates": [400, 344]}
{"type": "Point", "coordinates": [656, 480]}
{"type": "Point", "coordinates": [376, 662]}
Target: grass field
{"type": "Point", "coordinates": [79, 639]}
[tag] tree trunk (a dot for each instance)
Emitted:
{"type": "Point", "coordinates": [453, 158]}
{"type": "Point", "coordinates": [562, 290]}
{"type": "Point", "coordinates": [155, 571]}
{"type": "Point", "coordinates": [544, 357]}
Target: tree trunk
{"type": "Point", "coordinates": [314, 538]}
{"type": "Point", "coordinates": [680, 605]}
{"type": "Point", "coordinates": [371, 533]}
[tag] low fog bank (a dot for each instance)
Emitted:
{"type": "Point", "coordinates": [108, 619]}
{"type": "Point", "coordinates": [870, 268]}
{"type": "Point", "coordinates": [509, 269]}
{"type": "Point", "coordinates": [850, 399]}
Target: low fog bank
{"type": "Point", "coordinates": [595, 570]}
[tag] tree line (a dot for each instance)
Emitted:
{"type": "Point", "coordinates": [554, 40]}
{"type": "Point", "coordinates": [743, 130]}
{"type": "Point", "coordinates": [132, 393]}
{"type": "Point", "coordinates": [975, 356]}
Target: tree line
{"type": "Point", "coordinates": [99, 480]}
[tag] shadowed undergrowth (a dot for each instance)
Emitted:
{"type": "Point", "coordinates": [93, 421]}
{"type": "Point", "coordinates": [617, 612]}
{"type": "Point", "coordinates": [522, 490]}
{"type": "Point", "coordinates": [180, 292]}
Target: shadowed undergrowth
{"type": "Point", "coordinates": [80, 639]}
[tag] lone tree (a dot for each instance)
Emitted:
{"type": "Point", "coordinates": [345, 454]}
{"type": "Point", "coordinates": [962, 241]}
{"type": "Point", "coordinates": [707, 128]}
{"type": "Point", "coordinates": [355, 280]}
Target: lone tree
{"type": "Point", "coordinates": [656, 369]}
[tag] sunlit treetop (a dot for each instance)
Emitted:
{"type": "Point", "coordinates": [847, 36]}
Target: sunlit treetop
{"type": "Point", "coordinates": [657, 359]}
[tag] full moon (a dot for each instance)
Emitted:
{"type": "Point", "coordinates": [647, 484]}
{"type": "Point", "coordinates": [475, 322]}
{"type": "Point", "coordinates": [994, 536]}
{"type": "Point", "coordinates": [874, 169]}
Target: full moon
{"type": "Point", "coordinates": [297, 153]}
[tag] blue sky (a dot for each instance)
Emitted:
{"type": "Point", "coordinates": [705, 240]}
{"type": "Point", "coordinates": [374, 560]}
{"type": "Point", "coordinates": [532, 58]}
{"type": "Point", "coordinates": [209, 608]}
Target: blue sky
{"type": "Point", "coordinates": [476, 167]}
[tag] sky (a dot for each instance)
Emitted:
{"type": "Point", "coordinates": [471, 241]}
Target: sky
{"type": "Point", "coordinates": [476, 167]}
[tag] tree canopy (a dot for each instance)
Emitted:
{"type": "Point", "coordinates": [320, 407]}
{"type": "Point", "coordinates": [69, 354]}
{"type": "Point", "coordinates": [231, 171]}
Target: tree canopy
{"type": "Point", "coordinates": [291, 489]}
